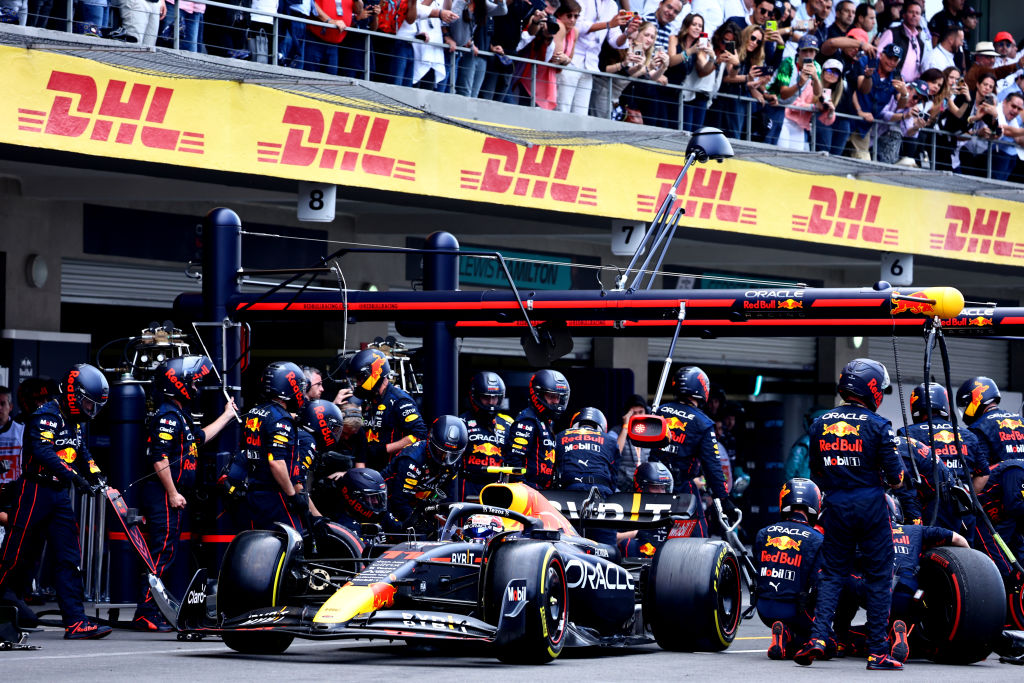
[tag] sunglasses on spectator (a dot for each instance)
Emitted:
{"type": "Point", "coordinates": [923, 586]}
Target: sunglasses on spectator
{"type": "Point", "coordinates": [575, 15]}
{"type": "Point", "coordinates": [755, 41]}
{"type": "Point", "coordinates": [1004, 43]}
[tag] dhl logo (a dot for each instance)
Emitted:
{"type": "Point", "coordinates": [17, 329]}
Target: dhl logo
{"type": "Point", "coordinates": [67, 455]}
{"type": "Point", "coordinates": [252, 424]}
{"type": "Point", "coordinates": [982, 232]}
{"type": "Point", "coordinates": [851, 218]}
{"type": "Point", "coordinates": [790, 304]}
{"type": "Point", "coordinates": [708, 194]}
{"type": "Point", "coordinates": [916, 307]}
{"type": "Point", "coordinates": [136, 111]}
{"type": "Point", "coordinates": [347, 144]}
{"type": "Point", "coordinates": [376, 369]}
{"type": "Point", "coordinates": [545, 167]}
{"type": "Point", "coordinates": [944, 436]}
{"type": "Point", "coordinates": [487, 448]}
{"type": "Point", "coordinates": [841, 428]}
{"type": "Point", "coordinates": [782, 543]}
{"type": "Point", "coordinates": [1010, 423]}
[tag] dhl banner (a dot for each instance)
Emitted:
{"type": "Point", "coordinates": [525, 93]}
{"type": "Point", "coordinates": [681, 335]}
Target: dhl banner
{"type": "Point", "coordinates": [71, 104]}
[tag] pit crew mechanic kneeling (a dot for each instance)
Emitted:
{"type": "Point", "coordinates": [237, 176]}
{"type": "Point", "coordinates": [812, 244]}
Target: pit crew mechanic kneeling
{"type": "Point", "coordinates": [421, 473]}
{"type": "Point", "coordinates": [693, 448]}
{"type": "Point", "coordinates": [1003, 501]}
{"type": "Point", "coordinates": [586, 455]}
{"type": "Point", "coordinates": [788, 560]}
{"type": "Point", "coordinates": [853, 452]}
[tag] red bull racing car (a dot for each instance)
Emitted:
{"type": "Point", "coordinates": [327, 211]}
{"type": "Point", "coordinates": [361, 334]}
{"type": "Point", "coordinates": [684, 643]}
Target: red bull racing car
{"type": "Point", "coordinates": [528, 591]}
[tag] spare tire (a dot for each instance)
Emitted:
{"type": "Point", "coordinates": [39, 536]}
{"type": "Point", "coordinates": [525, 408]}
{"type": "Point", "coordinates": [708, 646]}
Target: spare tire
{"type": "Point", "coordinates": [964, 606]}
{"type": "Point", "coordinates": [694, 599]}
{"type": "Point", "coordinates": [251, 578]}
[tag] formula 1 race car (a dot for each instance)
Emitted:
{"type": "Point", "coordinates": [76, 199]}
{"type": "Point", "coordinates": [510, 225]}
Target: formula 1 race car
{"type": "Point", "coordinates": [530, 590]}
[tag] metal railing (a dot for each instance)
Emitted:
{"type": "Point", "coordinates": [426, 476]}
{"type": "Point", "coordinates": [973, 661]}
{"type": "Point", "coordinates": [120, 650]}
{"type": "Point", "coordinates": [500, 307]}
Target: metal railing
{"type": "Point", "coordinates": [740, 105]}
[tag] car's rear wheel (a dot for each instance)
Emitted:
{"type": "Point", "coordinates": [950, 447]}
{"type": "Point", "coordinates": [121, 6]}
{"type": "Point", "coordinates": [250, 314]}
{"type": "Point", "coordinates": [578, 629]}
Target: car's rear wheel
{"type": "Point", "coordinates": [545, 614]}
{"type": "Point", "coordinates": [964, 606]}
{"type": "Point", "coordinates": [694, 598]}
{"type": "Point", "coordinates": [251, 577]}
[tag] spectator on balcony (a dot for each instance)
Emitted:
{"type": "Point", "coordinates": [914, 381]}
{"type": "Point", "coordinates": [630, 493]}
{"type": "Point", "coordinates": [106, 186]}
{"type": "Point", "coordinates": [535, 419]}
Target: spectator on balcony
{"type": "Point", "coordinates": [662, 104]}
{"type": "Point", "coordinates": [538, 43]}
{"type": "Point", "coordinates": [803, 94]}
{"type": "Point", "coordinates": [944, 54]}
{"type": "Point", "coordinates": [599, 22]}
{"type": "Point", "coordinates": [865, 18]}
{"type": "Point", "coordinates": [565, 44]}
{"type": "Point", "coordinates": [952, 120]}
{"type": "Point", "coordinates": [855, 39]}
{"type": "Point", "coordinates": [403, 55]}
{"type": "Point", "coordinates": [498, 83]}
{"type": "Point", "coordinates": [876, 87]}
{"type": "Point", "coordinates": [430, 62]}
{"type": "Point", "coordinates": [352, 57]}
{"type": "Point", "coordinates": [713, 13]}
{"type": "Point", "coordinates": [692, 65]}
{"type": "Point", "coordinates": [1006, 46]}
{"type": "Point", "coordinates": [745, 79]}
{"type": "Point", "coordinates": [472, 30]}
{"type": "Point", "coordinates": [907, 34]}
{"type": "Point", "coordinates": [141, 19]}
{"type": "Point", "coordinates": [951, 14]}
{"type": "Point", "coordinates": [760, 12]}
{"type": "Point", "coordinates": [723, 42]}
{"type": "Point", "coordinates": [644, 62]}
{"type": "Point", "coordinates": [906, 119]}
{"type": "Point", "coordinates": [985, 63]}
{"type": "Point", "coordinates": [1017, 85]}
{"type": "Point", "coordinates": [889, 16]}
{"type": "Point", "coordinates": [90, 17]}
{"type": "Point", "coordinates": [190, 18]}
{"type": "Point", "coordinates": [832, 131]}
{"type": "Point", "coordinates": [811, 18]}
{"type": "Point", "coordinates": [795, 74]}
{"type": "Point", "coordinates": [982, 123]}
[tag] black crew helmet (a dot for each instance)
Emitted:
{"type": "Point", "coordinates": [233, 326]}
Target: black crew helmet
{"type": "Point", "coordinates": [286, 382]}
{"type": "Point", "coordinates": [181, 378]}
{"type": "Point", "coordinates": [800, 494]}
{"type": "Point", "coordinates": [364, 493]}
{"type": "Point", "coordinates": [864, 381]}
{"type": "Point", "coordinates": [447, 440]}
{"type": "Point", "coordinates": [368, 369]}
{"type": "Point", "coordinates": [484, 388]}
{"type": "Point", "coordinates": [549, 393]}
{"type": "Point", "coordinates": [324, 421]}
{"type": "Point", "coordinates": [83, 392]}
{"type": "Point", "coordinates": [651, 474]}
{"type": "Point", "coordinates": [590, 417]}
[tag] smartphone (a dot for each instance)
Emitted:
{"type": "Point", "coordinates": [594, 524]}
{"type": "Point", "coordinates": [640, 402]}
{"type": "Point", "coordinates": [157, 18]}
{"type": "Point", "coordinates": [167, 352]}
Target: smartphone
{"type": "Point", "coordinates": [767, 70]}
{"type": "Point", "coordinates": [771, 25]}
{"type": "Point", "coordinates": [827, 94]}
{"type": "Point", "coordinates": [638, 51]}
{"type": "Point", "coordinates": [807, 60]}
{"type": "Point", "coordinates": [703, 42]}
{"type": "Point", "coordinates": [729, 45]}
{"type": "Point", "coordinates": [897, 76]}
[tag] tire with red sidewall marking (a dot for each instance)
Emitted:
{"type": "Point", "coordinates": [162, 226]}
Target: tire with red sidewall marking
{"type": "Point", "coordinates": [694, 599]}
{"type": "Point", "coordinates": [964, 606]}
{"type": "Point", "coordinates": [547, 599]}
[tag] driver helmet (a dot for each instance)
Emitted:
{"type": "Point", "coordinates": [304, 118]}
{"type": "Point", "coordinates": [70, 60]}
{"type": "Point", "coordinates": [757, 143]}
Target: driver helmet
{"type": "Point", "coordinates": [480, 528]}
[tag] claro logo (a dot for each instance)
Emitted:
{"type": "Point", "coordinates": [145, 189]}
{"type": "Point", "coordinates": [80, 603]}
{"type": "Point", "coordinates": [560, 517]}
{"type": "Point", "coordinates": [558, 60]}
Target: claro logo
{"type": "Point", "coordinates": [349, 143]}
{"type": "Point", "coordinates": [114, 111]}
{"type": "Point", "coordinates": [538, 172]}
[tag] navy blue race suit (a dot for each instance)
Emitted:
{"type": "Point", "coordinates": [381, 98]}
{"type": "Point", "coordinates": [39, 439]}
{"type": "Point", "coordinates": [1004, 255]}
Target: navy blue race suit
{"type": "Point", "coordinates": [692, 451]}
{"type": "Point", "coordinates": [530, 443]}
{"type": "Point", "coordinates": [171, 440]}
{"type": "Point", "coordinates": [1001, 436]}
{"type": "Point", "coordinates": [486, 439]}
{"type": "Point", "coordinates": [1003, 500]}
{"type": "Point", "coordinates": [413, 480]}
{"type": "Point", "coordinates": [919, 499]}
{"type": "Point", "coordinates": [788, 559]}
{"type": "Point", "coordinates": [388, 419]}
{"type": "Point", "coordinates": [586, 457]}
{"type": "Point", "coordinates": [54, 454]}
{"type": "Point", "coordinates": [852, 455]}
{"type": "Point", "coordinates": [270, 434]}
{"type": "Point", "coordinates": [968, 464]}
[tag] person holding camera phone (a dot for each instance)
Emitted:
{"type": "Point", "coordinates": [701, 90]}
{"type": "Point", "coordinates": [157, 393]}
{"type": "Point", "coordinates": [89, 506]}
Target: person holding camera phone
{"type": "Point", "coordinates": [876, 85]}
{"type": "Point", "coordinates": [797, 77]}
{"type": "Point", "coordinates": [990, 121]}
{"type": "Point", "coordinates": [553, 41]}
{"type": "Point", "coordinates": [640, 61]}
{"type": "Point", "coordinates": [692, 63]}
{"type": "Point", "coordinates": [745, 80]}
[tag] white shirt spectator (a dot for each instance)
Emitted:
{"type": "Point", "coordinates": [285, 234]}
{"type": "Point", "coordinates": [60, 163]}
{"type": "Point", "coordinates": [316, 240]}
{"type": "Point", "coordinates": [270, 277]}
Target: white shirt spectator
{"type": "Point", "coordinates": [712, 11]}
{"type": "Point", "coordinates": [588, 44]}
{"type": "Point", "coordinates": [10, 449]}
{"type": "Point", "coordinates": [939, 59]}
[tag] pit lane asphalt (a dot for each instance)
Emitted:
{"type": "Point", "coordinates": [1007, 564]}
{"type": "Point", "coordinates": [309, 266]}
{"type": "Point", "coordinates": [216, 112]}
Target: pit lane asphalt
{"type": "Point", "coordinates": [129, 655]}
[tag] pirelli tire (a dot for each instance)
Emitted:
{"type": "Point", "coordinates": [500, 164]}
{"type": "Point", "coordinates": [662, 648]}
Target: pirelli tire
{"type": "Point", "coordinates": [964, 606]}
{"type": "Point", "coordinates": [693, 598]}
{"type": "Point", "coordinates": [252, 577]}
{"type": "Point", "coordinates": [546, 614]}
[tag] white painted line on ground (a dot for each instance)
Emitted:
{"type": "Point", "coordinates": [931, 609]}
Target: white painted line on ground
{"type": "Point", "coordinates": [211, 647]}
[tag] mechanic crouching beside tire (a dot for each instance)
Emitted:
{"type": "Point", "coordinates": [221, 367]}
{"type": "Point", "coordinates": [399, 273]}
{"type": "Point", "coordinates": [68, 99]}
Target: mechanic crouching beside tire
{"type": "Point", "coordinates": [787, 555]}
{"type": "Point", "coordinates": [852, 453]}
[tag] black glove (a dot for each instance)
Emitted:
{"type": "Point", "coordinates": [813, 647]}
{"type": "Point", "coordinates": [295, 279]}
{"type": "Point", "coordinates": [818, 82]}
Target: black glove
{"type": "Point", "coordinates": [728, 509]}
{"type": "Point", "coordinates": [83, 485]}
{"type": "Point", "coordinates": [299, 502]}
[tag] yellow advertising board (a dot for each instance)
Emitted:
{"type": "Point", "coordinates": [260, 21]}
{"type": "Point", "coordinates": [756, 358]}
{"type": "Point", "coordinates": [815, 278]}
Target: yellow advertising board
{"type": "Point", "coordinates": [66, 103]}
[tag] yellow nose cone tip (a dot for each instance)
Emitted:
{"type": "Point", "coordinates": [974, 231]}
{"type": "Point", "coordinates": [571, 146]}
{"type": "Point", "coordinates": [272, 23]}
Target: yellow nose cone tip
{"type": "Point", "coordinates": [949, 301]}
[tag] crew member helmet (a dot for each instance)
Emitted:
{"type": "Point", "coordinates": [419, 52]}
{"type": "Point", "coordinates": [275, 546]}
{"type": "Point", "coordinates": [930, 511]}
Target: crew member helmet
{"type": "Point", "coordinates": [84, 391]}
{"type": "Point", "coordinates": [368, 369]}
{"type": "Point", "coordinates": [864, 381]}
{"type": "Point", "coordinates": [549, 393]}
{"type": "Point", "coordinates": [324, 421]}
{"type": "Point", "coordinates": [936, 395]}
{"type": "Point", "coordinates": [975, 396]}
{"type": "Point", "coordinates": [286, 382]}
{"type": "Point", "coordinates": [690, 382]}
{"type": "Point", "coordinates": [653, 477]}
{"type": "Point", "coordinates": [364, 493]}
{"type": "Point", "coordinates": [800, 494]}
{"type": "Point", "coordinates": [590, 417]}
{"type": "Point", "coordinates": [448, 439]}
{"type": "Point", "coordinates": [180, 378]}
{"type": "Point", "coordinates": [486, 392]}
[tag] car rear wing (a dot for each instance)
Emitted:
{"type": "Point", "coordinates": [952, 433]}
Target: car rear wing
{"type": "Point", "coordinates": [623, 510]}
